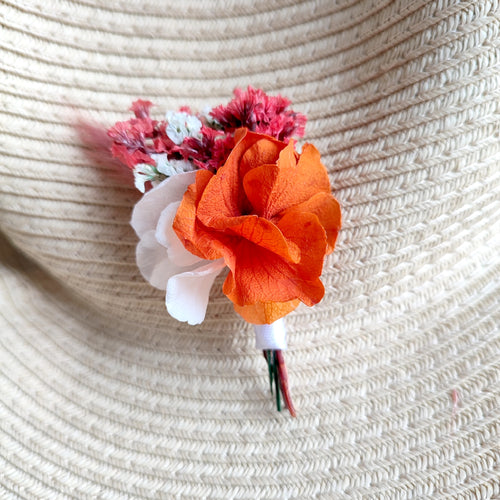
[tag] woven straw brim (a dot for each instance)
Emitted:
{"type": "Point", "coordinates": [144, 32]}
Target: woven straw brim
{"type": "Point", "coordinates": [395, 374]}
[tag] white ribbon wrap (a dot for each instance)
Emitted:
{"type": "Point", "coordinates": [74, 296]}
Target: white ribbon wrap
{"type": "Point", "coordinates": [271, 336]}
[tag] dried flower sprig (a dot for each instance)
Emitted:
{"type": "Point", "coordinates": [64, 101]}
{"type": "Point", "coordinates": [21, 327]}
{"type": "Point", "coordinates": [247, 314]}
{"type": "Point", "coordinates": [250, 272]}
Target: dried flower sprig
{"type": "Point", "coordinates": [203, 140]}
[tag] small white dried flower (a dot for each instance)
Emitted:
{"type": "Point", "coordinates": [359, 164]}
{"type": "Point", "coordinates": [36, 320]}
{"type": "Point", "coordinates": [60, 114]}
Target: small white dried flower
{"type": "Point", "coordinates": [209, 119]}
{"type": "Point", "coordinates": [171, 167]}
{"type": "Point", "coordinates": [181, 125]}
{"type": "Point", "coordinates": [143, 172]}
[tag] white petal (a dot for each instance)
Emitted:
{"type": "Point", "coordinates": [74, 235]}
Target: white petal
{"type": "Point", "coordinates": [187, 293]}
{"type": "Point", "coordinates": [174, 167]}
{"type": "Point", "coordinates": [148, 209]}
{"type": "Point", "coordinates": [176, 132]}
{"type": "Point", "coordinates": [153, 262]}
{"type": "Point", "coordinates": [176, 117]}
{"type": "Point", "coordinates": [211, 121]}
{"type": "Point", "coordinates": [193, 125]}
{"type": "Point", "coordinates": [139, 180]}
{"type": "Point", "coordinates": [162, 164]}
{"type": "Point", "coordinates": [159, 158]}
{"type": "Point", "coordinates": [166, 236]}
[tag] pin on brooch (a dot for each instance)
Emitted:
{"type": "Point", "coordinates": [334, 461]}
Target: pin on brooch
{"type": "Point", "coordinates": [226, 188]}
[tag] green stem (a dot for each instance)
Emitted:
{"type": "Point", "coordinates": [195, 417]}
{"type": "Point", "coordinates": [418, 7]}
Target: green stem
{"type": "Point", "coordinates": [277, 381]}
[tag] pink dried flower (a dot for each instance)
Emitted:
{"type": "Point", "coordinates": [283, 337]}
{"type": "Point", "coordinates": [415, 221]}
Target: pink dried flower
{"type": "Point", "coordinates": [209, 152]}
{"type": "Point", "coordinates": [161, 142]}
{"type": "Point", "coordinates": [129, 141]}
{"type": "Point", "coordinates": [258, 112]}
{"type": "Point", "coordinates": [206, 143]}
{"type": "Point", "coordinates": [136, 139]}
{"type": "Point", "coordinates": [222, 148]}
{"type": "Point", "coordinates": [141, 108]}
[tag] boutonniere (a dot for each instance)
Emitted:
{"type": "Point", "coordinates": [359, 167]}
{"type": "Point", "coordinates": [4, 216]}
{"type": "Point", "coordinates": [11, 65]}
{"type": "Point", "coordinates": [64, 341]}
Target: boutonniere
{"type": "Point", "coordinates": [227, 188]}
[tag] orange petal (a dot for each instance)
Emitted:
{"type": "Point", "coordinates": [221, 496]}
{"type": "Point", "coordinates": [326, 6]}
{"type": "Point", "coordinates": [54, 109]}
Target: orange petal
{"type": "Point", "coordinates": [327, 209]}
{"type": "Point", "coordinates": [265, 150]}
{"type": "Point", "coordinates": [272, 189]}
{"type": "Point", "coordinates": [288, 157]}
{"type": "Point", "coordinates": [266, 235]}
{"type": "Point", "coordinates": [306, 231]}
{"type": "Point", "coordinates": [262, 313]}
{"type": "Point", "coordinates": [258, 274]}
{"type": "Point", "coordinates": [187, 227]}
{"type": "Point", "coordinates": [224, 196]}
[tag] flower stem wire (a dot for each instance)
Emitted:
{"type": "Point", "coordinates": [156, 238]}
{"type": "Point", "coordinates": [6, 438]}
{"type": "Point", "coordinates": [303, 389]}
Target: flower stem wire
{"type": "Point", "coordinates": [277, 381]}
{"type": "Point", "coordinates": [268, 356]}
{"type": "Point", "coordinates": [278, 375]}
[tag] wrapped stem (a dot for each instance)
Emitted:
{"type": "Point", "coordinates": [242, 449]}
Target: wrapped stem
{"type": "Point", "coordinates": [272, 340]}
{"type": "Point", "coordinates": [279, 377]}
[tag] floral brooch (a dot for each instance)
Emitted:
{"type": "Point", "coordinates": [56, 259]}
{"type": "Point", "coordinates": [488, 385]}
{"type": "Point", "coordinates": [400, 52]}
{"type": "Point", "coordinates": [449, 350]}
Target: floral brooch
{"type": "Point", "coordinates": [226, 189]}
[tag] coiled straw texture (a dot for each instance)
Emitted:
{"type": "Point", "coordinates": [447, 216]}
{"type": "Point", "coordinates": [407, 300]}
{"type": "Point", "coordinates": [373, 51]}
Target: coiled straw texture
{"type": "Point", "coordinates": [395, 374]}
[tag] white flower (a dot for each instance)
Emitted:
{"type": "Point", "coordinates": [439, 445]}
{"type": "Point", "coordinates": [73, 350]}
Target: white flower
{"type": "Point", "coordinates": [181, 125]}
{"type": "Point", "coordinates": [171, 167]}
{"type": "Point", "coordinates": [143, 172]}
{"type": "Point", "coordinates": [211, 121]}
{"type": "Point", "coordinates": [162, 258]}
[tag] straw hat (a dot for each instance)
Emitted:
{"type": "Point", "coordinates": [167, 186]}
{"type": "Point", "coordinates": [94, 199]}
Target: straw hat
{"type": "Point", "coordinates": [395, 374]}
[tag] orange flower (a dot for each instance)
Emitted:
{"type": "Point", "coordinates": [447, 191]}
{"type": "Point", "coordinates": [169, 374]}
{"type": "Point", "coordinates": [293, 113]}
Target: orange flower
{"type": "Point", "coordinates": [268, 212]}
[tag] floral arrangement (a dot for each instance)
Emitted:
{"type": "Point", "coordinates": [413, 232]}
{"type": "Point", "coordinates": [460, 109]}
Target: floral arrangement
{"type": "Point", "coordinates": [226, 189]}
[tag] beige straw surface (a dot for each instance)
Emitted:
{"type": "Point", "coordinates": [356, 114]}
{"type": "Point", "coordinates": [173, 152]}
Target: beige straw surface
{"type": "Point", "coordinates": [395, 374]}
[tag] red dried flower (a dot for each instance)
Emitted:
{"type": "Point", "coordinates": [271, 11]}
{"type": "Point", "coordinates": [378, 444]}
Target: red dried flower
{"type": "Point", "coordinates": [211, 151]}
{"type": "Point", "coordinates": [136, 139]}
{"type": "Point", "coordinates": [129, 141]}
{"type": "Point", "coordinates": [141, 108]}
{"type": "Point", "coordinates": [261, 113]}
